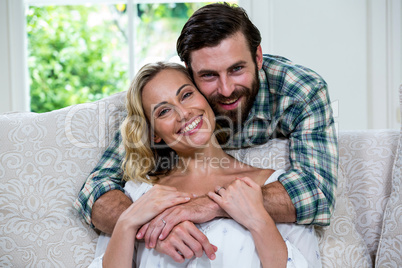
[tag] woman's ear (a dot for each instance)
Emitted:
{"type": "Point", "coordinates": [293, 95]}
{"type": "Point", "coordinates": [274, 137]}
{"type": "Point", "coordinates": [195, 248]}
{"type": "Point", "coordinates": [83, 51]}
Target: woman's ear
{"type": "Point", "coordinates": [157, 139]}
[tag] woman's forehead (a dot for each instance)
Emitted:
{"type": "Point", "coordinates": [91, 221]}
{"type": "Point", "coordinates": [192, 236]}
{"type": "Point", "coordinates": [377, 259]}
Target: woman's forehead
{"type": "Point", "coordinates": [165, 82]}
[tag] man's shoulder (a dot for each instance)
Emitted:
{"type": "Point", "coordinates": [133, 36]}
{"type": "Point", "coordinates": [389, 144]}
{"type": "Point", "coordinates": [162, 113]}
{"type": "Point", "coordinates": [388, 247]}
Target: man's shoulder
{"type": "Point", "coordinates": [281, 66]}
{"type": "Point", "coordinates": [286, 78]}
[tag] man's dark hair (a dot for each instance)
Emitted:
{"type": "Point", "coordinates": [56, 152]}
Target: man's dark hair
{"type": "Point", "coordinates": [211, 24]}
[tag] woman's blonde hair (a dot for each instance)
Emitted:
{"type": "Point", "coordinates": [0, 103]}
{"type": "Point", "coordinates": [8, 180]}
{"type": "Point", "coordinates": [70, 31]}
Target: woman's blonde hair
{"type": "Point", "coordinates": [142, 160]}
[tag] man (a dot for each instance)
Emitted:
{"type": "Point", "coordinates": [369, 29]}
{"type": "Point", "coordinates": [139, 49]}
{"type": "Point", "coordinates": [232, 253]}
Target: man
{"type": "Point", "coordinates": [259, 97]}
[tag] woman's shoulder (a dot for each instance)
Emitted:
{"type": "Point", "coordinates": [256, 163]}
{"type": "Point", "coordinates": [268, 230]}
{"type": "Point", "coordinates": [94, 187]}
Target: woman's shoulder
{"type": "Point", "coordinates": [135, 189]}
{"type": "Point", "coordinates": [258, 175]}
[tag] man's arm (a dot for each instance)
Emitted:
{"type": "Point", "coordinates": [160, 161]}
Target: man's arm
{"type": "Point", "coordinates": [107, 210]}
{"type": "Point", "coordinates": [105, 177]}
{"type": "Point", "coordinates": [313, 151]}
{"type": "Point", "coordinates": [278, 203]}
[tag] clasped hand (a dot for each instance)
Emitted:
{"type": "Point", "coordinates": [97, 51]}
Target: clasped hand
{"type": "Point", "coordinates": [173, 232]}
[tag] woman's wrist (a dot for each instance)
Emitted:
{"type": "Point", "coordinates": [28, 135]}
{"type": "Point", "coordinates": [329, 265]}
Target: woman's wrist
{"type": "Point", "coordinates": [127, 226]}
{"type": "Point", "coordinates": [259, 224]}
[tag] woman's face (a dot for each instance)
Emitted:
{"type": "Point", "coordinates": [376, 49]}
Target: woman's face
{"type": "Point", "coordinates": [177, 112]}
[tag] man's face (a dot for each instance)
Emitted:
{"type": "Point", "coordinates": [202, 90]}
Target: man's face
{"type": "Point", "coordinates": [227, 75]}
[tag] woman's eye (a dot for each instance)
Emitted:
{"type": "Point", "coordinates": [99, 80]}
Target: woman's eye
{"type": "Point", "coordinates": [163, 112]}
{"type": "Point", "coordinates": [186, 95]}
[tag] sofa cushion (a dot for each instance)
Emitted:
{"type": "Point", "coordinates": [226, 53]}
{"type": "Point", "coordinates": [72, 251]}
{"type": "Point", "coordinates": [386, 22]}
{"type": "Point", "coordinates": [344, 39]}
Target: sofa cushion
{"type": "Point", "coordinates": [44, 161]}
{"type": "Point", "coordinates": [341, 245]}
{"type": "Point", "coordinates": [390, 245]}
{"type": "Point", "coordinates": [366, 158]}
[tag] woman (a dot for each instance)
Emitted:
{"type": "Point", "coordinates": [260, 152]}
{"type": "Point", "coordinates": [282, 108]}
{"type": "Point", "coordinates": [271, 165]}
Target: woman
{"type": "Point", "coordinates": [172, 154]}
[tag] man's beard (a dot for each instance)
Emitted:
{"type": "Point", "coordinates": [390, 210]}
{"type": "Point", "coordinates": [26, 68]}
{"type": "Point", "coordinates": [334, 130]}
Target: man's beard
{"type": "Point", "coordinates": [230, 118]}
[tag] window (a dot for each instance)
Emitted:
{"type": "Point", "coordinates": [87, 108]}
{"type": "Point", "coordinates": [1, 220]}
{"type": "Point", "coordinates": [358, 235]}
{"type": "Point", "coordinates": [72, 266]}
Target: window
{"type": "Point", "coordinates": [82, 53]}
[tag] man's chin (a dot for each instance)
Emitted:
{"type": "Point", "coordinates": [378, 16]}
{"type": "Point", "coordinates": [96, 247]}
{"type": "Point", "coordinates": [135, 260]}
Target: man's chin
{"type": "Point", "coordinates": [227, 119]}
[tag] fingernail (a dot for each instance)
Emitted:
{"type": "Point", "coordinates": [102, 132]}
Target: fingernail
{"type": "Point", "coordinates": [188, 198]}
{"type": "Point", "coordinates": [213, 257]}
{"type": "Point", "coordinates": [139, 235]}
{"type": "Point", "coordinates": [161, 236]}
{"type": "Point", "coordinates": [151, 245]}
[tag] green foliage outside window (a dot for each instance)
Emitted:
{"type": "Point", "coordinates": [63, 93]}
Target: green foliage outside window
{"type": "Point", "coordinates": [77, 55]}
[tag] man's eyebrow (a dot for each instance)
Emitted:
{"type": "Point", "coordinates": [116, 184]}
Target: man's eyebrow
{"type": "Point", "coordinates": [206, 71]}
{"type": "Point", "coordinates": [180, 88]}
{"type": "Point", "coordinates": [241, 62]}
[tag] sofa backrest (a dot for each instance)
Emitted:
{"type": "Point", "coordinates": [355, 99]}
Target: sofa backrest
{"type": "Point", "coordinates": [44, 161]}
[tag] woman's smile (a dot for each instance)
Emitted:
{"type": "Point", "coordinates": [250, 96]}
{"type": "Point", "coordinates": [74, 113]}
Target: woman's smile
{"type": "Point", "coordinates": [192, 126]}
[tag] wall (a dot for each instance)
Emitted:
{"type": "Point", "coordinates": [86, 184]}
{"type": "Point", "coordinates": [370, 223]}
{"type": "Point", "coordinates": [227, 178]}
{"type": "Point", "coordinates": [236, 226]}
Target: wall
{"type": "Point", "coordinates": [354, 45]}
{"type": "Point", "coordinates": [14, 94]}
{"type": "Point", "coordinates": [5, 99]}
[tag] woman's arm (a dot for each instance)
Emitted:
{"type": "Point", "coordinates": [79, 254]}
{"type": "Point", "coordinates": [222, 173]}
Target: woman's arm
{"type": "Point", "coordinates": [119, 252]}
{"type": "Point", "coordinates": [269, 243]}
{"type": "Point", "coordinates": [243, 201]}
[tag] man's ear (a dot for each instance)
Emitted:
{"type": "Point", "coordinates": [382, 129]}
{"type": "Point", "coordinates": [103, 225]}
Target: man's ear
{"type": "Point", "coordinates": [258, 57]}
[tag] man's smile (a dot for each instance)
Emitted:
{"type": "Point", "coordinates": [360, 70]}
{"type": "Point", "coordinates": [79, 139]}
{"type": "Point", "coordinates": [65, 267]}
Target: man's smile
{"type": "Point", "coordinates": [230, 104]}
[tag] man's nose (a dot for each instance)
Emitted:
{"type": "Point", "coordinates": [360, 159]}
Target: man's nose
{"type": "Point", "coordinates": [226, 87]}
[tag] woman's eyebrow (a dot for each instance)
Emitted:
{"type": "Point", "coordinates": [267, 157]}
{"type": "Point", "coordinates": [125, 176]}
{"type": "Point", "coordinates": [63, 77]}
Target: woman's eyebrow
{"type": "Point", "coordinates": [180, 88]}
{"type": "Point", "coordinates": [159, 104]}
{"type": "Point", "coordinates": [165, 102]}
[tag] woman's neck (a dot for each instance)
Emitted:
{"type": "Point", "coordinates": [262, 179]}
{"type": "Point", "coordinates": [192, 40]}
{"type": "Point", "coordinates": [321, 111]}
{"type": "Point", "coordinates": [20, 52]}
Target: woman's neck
{"type": "Point", "coordinates": [200, 170]}
{"type": "Point", "coordinates": [208, 160]}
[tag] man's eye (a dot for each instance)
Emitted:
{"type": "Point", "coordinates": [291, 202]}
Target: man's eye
{"type": "Point", "coordinates": [237, 68]}
{"type": "Point", "coordinates": [207, 75]}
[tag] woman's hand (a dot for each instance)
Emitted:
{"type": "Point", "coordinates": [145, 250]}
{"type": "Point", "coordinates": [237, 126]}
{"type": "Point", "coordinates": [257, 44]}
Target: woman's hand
{"type": "Point", "coordinates": [119, 252]}
{"type": "Point", "coordinates": [152, 203]}
{"type": "Point", "coordinates": [242, 200]}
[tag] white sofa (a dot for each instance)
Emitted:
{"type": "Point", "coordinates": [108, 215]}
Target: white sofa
{"type": "Point", "coordinates": [45, 158]}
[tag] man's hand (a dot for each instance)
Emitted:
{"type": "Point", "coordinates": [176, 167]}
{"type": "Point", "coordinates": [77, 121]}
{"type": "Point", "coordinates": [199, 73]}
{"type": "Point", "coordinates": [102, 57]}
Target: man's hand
{"type": "Point", "coordinates": [197, 210]}
{"type": "Point", "coordinates": [188, 240]}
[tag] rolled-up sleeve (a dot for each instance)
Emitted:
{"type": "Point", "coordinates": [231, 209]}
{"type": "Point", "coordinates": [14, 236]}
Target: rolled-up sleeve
{"type": "Point", "coordinates": [106, 176]}
{"type": "Point", "coordinates": [313, 150]}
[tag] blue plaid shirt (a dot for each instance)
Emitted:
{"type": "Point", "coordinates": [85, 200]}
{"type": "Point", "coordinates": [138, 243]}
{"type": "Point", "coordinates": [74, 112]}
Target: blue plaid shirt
{"type": "Point", "coordinates": [292, 102]}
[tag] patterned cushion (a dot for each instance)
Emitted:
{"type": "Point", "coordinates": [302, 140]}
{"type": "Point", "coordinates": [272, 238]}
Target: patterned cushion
{"type": "Point", "coordinates": [390, 247]}
{"type": "Point", "coordinates": [341, 245]}
{"type": "Point", "coordinates": [44, 160]}
{"type": "Point", "coordinates": [366, 159]}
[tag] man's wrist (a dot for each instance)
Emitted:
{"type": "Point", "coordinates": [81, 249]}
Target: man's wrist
{"type": "Point", "coordinates": [218, 211]}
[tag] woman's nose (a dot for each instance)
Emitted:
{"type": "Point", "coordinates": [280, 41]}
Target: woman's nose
{"type": "Point", "coordinates": [184, 113]}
